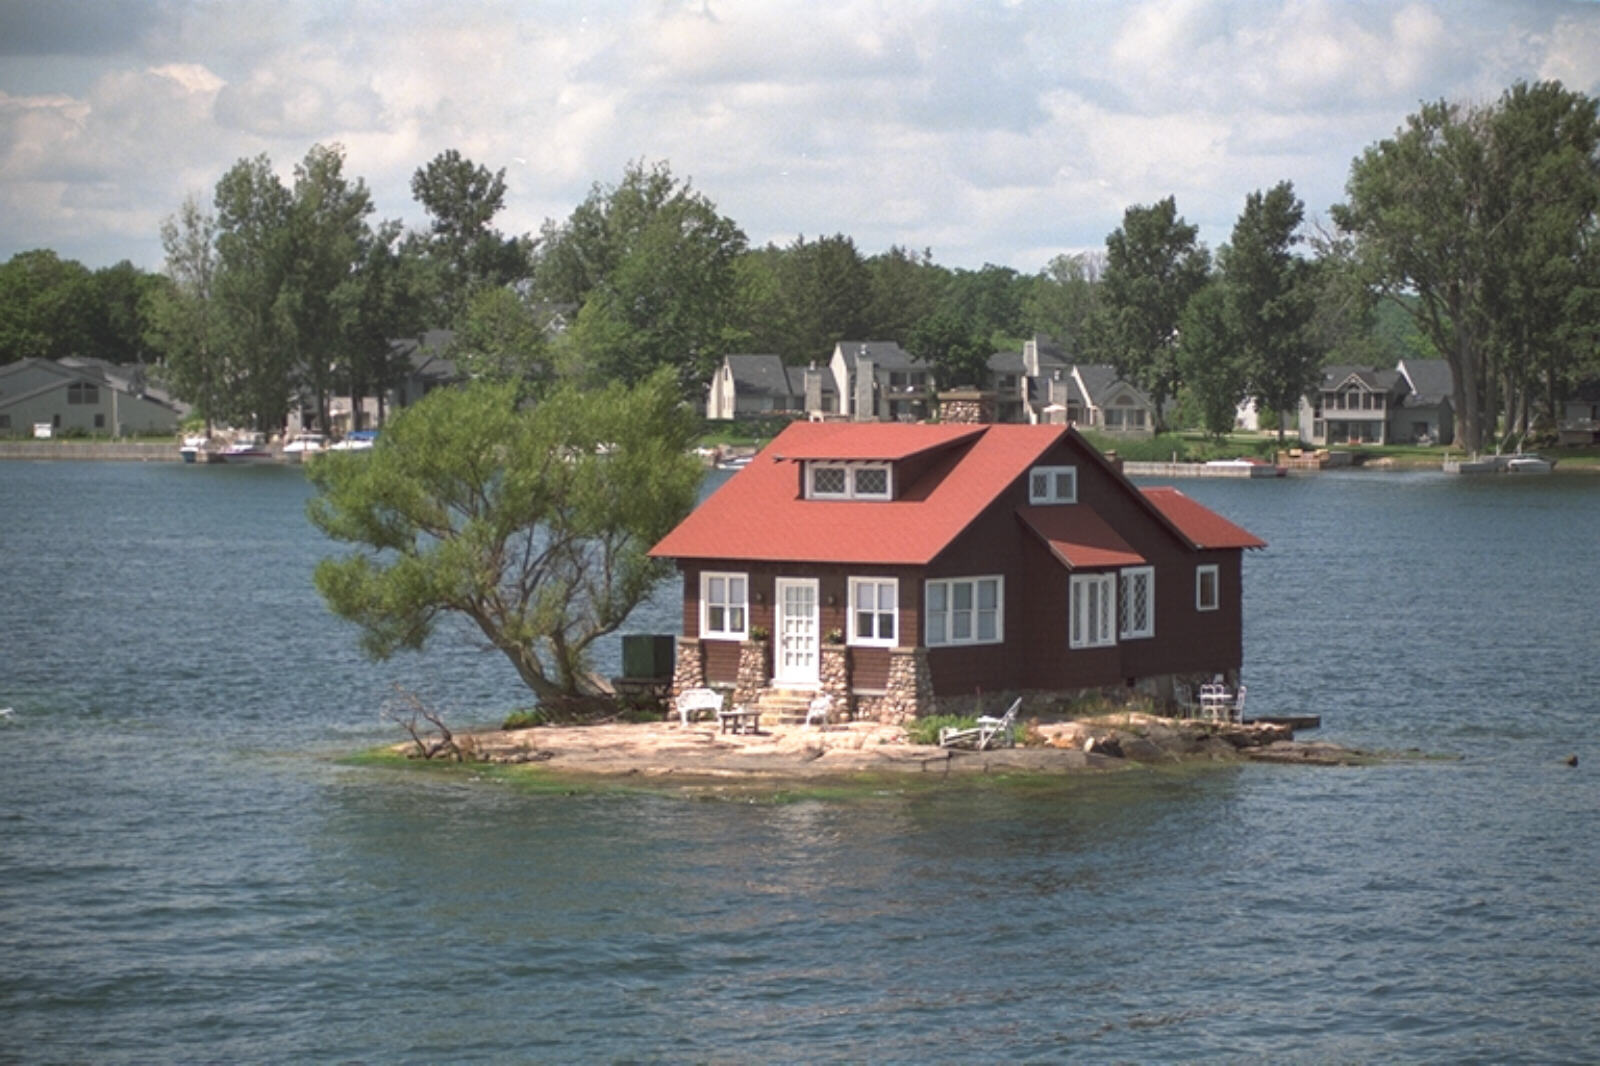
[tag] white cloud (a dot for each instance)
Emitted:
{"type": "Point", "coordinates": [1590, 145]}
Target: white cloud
{"type": "Point", "coordinates": [1000, 133]}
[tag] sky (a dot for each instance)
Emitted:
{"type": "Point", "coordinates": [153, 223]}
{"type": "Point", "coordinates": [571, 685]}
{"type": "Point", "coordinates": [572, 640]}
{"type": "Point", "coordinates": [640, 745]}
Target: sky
{"type": "Point", "coordinates": [1005, 132]}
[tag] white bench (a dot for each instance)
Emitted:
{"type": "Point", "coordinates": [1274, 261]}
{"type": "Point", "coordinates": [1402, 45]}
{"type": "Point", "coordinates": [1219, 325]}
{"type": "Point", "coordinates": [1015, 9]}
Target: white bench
{"type": "Point", "coordinates": [691, 701]}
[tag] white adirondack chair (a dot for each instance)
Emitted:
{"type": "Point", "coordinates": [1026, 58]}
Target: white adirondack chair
{"type": "Point", "coordinates": [983, 737]}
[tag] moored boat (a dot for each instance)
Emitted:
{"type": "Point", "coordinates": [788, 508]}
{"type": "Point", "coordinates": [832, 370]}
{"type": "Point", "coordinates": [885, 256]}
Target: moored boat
{"type": "Point", "coordinates": [359, 440]}
{"type": "Point", "coordinates": [193, 447]}
{"type": "Point", "coordinates": [1529, 464]}
{"type": "Point", "coordinates": [247, 448]}
{"type": "Point", "coordinates": [303, 446]}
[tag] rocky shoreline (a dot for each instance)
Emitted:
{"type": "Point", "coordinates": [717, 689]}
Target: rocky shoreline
{"type": "Point", "coordinates": [668, 750]}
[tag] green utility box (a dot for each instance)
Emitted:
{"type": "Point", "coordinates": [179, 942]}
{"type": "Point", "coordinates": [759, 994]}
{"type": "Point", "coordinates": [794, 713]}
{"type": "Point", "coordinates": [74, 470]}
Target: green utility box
{"type": "Point", "coordinates": [647, 656]}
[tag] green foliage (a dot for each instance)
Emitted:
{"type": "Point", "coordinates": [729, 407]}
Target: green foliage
{"type": "Point", "coordinates": [1153, 265]}
{"type": "Point", "coordinates": [1270, 302]}
{"type": "Point", "coordinates": [502, 339]}
{"type": "Point", "coordinates": [1479, 221]}
{"type": "Point", "coordinates": [651, 262]}
{"type": "Point", "coordinates": [1064, 302]}
{"type": "Point", "coordinates": [533, 523]}
{"type": "Point", "coordinates": [462, 252]}
{"type": "Point", "coordinates": [524, 718]}
{"type": "Point", "coordinates": [954, 345]}
{"type": "Point", "coordinates": [1210, 359]}
{"type": "Point", "coordinates": [45, 304]}
{"type": "Point", "coordinates": [926, 730]}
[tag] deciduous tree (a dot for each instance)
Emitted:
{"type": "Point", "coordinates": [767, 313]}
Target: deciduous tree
{"type": "Point", "coordinates": [651, 262]}
{"type": "Point", "coordinates": [1153, 265]}
{"type": "Point", "coordinates": [531, 522]}
{"type": "Point", "coordinates": [1270, 301]}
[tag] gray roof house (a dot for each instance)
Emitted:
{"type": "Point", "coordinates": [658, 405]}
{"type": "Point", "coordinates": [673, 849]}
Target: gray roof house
{"type": "Point", "coordinates": [1410, 404]}
{"type": "Point", "coordinates": [91, 395]}
{"type": "Point", "coordinates": [878, 381]}
{"type": "Point", "coordinates": [429, 367]}
{"type": "Point", "coordinates": [1580, 414]}
{"type": "Point", "coordinates": [1040, 384]}
{"type": "Point", "coordinates": [754, 385]}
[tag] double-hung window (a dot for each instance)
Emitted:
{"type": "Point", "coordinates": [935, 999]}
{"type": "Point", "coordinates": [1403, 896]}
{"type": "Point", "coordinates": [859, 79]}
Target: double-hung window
{"type": "Point", "coordinates": [1137, 607]}
{"type": "Point", "coordinates": [1053, 484]}
{"type": "Point", "coordinates": [1205, 588]}
{"type": "Point", "coordinates": [874, 611]}
{"type": "Point", "coordinates": [1094, 611]}
{"type": "Point", "coordinates": [965, 611]}
{"type": "Point", "coordinates": [724, 606]}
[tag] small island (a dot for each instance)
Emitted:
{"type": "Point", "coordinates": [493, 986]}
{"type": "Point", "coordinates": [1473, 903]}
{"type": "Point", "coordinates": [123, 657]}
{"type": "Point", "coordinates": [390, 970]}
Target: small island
{"type": "Point", "coordinates": [784, 753]}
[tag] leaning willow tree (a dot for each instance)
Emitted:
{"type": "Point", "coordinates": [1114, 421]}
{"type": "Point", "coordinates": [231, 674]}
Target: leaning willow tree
{"type": "Point", "coordinates": [533, 522]}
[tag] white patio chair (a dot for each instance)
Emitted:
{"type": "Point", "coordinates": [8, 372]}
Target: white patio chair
{"type": "Point", "coordinates": [818, 710]}
{"type": "Point", "coordinates": [692, 701]}
{"type": "Point", "coordinates": [983, 737]}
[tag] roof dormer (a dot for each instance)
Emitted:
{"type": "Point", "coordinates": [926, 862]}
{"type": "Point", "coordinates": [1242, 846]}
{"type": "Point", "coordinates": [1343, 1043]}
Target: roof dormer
{"type": "Point", "coordinates": [827, 479]}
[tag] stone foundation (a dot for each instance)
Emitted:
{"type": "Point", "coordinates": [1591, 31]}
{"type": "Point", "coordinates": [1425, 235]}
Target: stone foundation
{"type": "Point", "coordinates": [909, 693]}
{"type": "Point", "coordinates": [753, 672]}
{"type": "Point", "coordinates": [834, 670]}
{"type": "Point", "coordinates": [689, 669]}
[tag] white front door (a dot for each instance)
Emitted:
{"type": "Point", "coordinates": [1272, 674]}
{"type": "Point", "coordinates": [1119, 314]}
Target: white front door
{"type": "Point", "coordinates": [796, 653]}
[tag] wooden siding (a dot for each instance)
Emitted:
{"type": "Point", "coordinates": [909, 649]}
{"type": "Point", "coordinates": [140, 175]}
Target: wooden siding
{"type": "Point", "coordinates": [721, 660]}
{"type": "Point", "coordinates": [1036, 653]}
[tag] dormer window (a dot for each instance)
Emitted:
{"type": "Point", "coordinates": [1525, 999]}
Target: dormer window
{"type": "Point", "coordinates": [1053, 484]}
{"type": "Point", "coordinates": [848, 481]}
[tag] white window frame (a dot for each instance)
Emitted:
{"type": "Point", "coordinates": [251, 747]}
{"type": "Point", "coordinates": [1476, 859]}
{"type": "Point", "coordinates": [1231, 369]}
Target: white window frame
{"type": "Point", "coordinates": [1200, 574]}
{"type": "Point", "coordinates": [1093, 609]}
{"type": "Point", "coordinates": [729, 605]}
{"type": "Point", "coordinates": [1135, 578]}
{"type": "Point", "coordinates": [1053, 476]}
{"type": "Point", "coordinates": [944, 635]}
{"type": "Point", "coordinates": [876, 584]}
{"type": "Point", "coordinates": [851, 490]}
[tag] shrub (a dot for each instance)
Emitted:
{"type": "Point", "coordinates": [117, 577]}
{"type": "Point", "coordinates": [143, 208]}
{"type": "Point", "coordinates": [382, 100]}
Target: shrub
{"type": "Point", "coordinates": [523, 718]}
{"type": "Point", "coordinates": [926, 730]}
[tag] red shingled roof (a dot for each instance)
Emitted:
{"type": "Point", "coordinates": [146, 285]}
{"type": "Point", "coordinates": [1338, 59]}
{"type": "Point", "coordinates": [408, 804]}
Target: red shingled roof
{"type": "Point", "coordinates": [863, 441]}
{"type": "Point", "coordinates": [760, 514]}
{"type": "Point", "coordinates": [1197, 523]}
{"type": "Point", "coordinates": [1079, 537]}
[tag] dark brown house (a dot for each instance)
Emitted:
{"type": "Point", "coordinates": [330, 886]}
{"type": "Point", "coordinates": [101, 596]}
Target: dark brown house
{"type": "Point", "coordinates": [904, 569]}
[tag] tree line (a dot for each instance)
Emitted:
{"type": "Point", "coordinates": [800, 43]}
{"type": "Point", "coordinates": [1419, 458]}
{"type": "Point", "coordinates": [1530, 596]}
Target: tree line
{"type": "Point", "coordinates": [1469, 235]}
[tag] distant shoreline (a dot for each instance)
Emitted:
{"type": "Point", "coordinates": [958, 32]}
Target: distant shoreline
{"type": "Point", "coordinates": [69, 450]}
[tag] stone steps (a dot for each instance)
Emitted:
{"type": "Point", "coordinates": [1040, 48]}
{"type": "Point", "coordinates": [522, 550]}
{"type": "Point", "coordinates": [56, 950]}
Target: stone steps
{"type": "Point", "coordinates": [786, 705]}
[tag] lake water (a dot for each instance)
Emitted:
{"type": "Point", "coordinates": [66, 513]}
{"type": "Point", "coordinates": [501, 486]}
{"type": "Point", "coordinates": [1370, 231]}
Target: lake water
{"type": "Point", "coordinates": [188, 874]}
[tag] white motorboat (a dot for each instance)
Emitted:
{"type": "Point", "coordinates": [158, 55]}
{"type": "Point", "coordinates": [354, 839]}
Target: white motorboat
{"type": "Point", "coordinates": [193, 447]}
{"type": "Point", "coordinates": [247, 448]}
{"type": "Point", "coordinates": [1529, 464]}
{"type": "Point", "coordinates": [303, 446]}
{"type": "Point", "coordinates": [359, 440]}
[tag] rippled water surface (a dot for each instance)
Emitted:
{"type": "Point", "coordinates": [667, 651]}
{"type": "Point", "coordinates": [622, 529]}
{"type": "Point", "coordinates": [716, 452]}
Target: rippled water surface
{"type": "Point", "coordinates": [188, 874]}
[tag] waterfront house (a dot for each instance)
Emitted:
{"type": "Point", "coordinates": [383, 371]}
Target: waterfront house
{"type": "Point", "coordinates": [81, 394]}
{"type": "Point", "coordinates": [1040, 384]}
{"type": "Point", "coordinates": [1410, 404]}
{"type": "Point", "coordinates": [904, 569]}
{"type": "Point", "coordinates": [754, 385]}
{"type": "Point", "coordinates": [1580, 415]}
{"type": "Point", "coordinates": [877, 381]}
